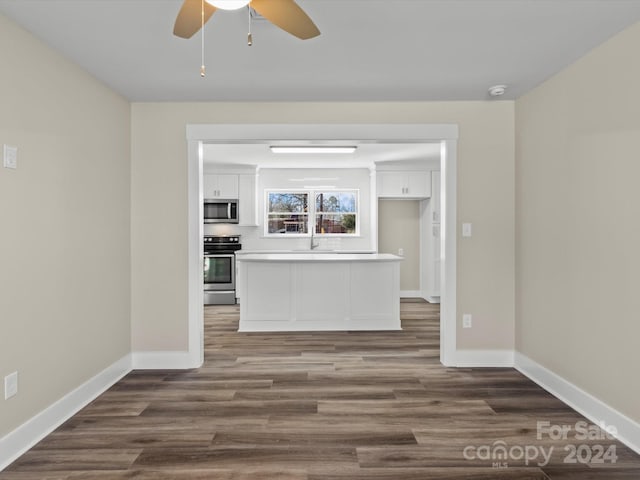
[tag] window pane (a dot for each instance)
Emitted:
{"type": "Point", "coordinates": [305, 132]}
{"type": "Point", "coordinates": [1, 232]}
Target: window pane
{"type": "Point", "coordinates": [336, 202]}
{"type": "Point", "coordinates": [335, 223]}
{"type": "Point", "coordinates": [288, 224]}
{"type": "Point", "coordinates": [288, 202]}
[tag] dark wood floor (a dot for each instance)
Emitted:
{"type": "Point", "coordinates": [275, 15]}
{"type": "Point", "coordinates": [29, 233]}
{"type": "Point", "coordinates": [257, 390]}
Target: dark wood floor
{"type": "Point", "coordinates": [320, 406]}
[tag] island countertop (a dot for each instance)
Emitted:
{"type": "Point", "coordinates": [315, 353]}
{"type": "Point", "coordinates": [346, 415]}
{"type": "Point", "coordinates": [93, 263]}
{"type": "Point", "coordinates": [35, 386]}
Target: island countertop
{"type": "Point", "coordinates": [318, 257]}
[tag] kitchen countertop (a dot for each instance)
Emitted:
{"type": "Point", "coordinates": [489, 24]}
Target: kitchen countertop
{"type": "Point", "coordinates": [298, 251]}
{"type": "Point", "coordinates": [318, 257]}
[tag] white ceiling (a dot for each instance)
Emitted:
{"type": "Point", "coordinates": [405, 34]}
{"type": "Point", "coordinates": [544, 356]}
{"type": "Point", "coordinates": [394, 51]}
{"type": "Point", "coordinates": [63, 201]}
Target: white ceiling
{"type": "Point", "coordinates": [369, 50]}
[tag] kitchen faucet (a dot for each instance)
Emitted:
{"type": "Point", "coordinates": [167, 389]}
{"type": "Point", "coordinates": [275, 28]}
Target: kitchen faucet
{"type": "Point", "coordinates": [313, 245]}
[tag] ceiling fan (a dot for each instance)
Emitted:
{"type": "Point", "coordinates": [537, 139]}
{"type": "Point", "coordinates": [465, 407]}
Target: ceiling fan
{"type": "Point", "coordinates": [285, 14]}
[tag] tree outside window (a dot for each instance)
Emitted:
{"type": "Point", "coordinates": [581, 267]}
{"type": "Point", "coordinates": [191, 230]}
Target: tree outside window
{"type": "Point", "coordinates": [287, 213]}
{"type": "Point", "coordinates": [336, 213]}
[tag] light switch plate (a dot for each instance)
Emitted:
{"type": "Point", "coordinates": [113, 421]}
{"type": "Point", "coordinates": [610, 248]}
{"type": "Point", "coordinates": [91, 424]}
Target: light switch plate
{"type": "Point", "coordinates": [466, 229]}
{"type": "Point", "coordinates": [10, 159]}
{"type": "Point", "coordinates": [10, 385]}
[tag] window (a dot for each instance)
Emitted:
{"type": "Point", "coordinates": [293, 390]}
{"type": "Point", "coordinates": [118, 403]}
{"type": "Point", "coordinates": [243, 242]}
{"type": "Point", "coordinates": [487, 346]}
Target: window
{"type": "Point", "coordinates": [287, 213]}
{"type": "Point", "coordinates": [330, 213]}
{"type": "Point", "coordinates": [336, 213]}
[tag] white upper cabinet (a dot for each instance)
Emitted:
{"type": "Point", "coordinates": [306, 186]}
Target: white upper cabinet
{"type": "Point", "coordinates": [220, 186]}
{"type": "Point", "coordinates": [248, 208]}
{"type": "Point", "coordinates": [404, 184]}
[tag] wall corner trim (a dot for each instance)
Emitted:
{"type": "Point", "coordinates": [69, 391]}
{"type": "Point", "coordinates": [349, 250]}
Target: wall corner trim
{"type": "Point", "coordinates": [583, 402]}
{"type": "Point", "coordinates": [484, 358]}
{"type": "Point", "coordinates": [171, 360]}
{"type": "Point", "coordinates": [17, 442]}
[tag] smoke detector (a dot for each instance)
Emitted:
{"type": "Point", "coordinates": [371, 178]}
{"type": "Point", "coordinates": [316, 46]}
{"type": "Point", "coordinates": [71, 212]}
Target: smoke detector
{"type": "Point", "coordinates": [497, 90]}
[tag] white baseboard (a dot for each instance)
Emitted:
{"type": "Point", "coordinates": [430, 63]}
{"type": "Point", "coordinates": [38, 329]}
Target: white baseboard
{"type": "Point", "coordinates": [411, 294]}
{"type": "Point", "coordinates": [17, 442]}
{"type": "Point", "coordinates": [177, 360]}
{"type": "Point", "coordinates": [484, 358]}
{"type": "Point", "coordinates": [586, 404]}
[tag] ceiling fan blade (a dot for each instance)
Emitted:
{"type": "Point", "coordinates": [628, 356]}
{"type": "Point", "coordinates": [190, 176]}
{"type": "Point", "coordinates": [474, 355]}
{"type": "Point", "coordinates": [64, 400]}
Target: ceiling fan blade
{"type": "Point", "coordinates": [189, 19]}
{"type": "Point", "coordinates": [287, 15]}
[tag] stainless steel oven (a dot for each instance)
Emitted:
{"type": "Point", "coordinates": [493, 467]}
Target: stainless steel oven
{"type": "Point", "coordinates": [220, 269]}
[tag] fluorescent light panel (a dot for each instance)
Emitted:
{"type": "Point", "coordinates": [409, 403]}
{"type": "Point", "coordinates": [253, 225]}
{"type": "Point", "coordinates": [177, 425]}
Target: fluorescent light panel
{"type": "Point", "coordinates": [312, 149]}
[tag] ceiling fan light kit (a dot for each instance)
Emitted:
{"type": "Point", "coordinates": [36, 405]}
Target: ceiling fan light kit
{"type": "Point", "coordinates": [285, 14]}
{"type": "Point", "coordinates": [228, 4]}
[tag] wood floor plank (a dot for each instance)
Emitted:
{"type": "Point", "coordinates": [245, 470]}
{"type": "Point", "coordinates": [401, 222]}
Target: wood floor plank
{"type": "Point", "coordinates": [415, 410]}
{"type": "Point", "coordinates": [90, 439]}
{"type": "Point", "coordinates": [50, 460]}
{"type": "Point", "coordinates": [328, 435]}
{"type": "Point", "coordinates": [241, 457]}
{"type": "Point", "coordinates": [445, 473]}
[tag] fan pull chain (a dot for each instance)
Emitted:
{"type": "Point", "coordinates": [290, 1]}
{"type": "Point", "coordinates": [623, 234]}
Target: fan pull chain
{"type": "Point", "coordinates": [249, 36]}
{"type": "Point", "coordinates": [203, 69]}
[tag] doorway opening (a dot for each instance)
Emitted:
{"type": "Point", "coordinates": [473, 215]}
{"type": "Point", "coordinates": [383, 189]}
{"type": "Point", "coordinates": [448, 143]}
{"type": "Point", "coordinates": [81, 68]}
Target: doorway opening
{"type": "Point", "coordinates": [444, 135]}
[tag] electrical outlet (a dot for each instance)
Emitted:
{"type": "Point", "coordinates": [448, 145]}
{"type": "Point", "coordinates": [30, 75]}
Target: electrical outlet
{"type": "Point", "coordinates": [10, 159]}
{"type": "Point", "coordinates": [10, 385]}
{"type": "Point", "coordinates": [401, 252]}
{"type": "Point", "coordinates": [467, 320]}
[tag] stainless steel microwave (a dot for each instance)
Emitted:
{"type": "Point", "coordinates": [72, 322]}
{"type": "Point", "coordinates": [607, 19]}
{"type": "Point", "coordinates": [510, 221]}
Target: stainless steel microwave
{"type": "Point", "coordinates": [217, 210]}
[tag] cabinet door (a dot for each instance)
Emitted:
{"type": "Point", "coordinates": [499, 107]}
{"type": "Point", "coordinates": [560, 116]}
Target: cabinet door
{"type": "Point", "coordinates": [228, 186]}
{"type": "Point", "coordinates": [247, 200]}
{"type": "Point", "coordinates": [220, 186]}
{"type": "Point", "coordinates": [414, 184]}
{"type": "Point", "coordinates": [391, 184]}
{"type": "Point", "coordinates": [209, 186]}
{"type": "Point", "coordinates": [418, 185]}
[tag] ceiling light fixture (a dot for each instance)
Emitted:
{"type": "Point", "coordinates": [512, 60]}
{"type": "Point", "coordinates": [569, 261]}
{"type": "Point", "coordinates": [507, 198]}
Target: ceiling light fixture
{"type": "Point", "coordinates": [312, 149]}
{"type": "Point", "coordinates": [229, 4]}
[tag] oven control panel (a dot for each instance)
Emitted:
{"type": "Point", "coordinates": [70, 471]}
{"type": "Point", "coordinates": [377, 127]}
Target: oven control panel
{"type": "Point", "coordinates": [221, 244]}
{"type": "Point", "coordinates": [219, 239]}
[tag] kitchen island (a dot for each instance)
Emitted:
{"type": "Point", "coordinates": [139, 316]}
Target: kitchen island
{"type": "Point", "coordinates": [283, 292]}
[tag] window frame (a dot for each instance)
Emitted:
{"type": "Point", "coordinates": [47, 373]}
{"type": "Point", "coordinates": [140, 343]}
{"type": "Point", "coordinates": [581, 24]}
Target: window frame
{"type": "Point", "coordinates": [267, 213]}
{"type": "Point", "coordinates": [312, 213]}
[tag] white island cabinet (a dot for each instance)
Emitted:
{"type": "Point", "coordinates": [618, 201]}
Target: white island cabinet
{"type": "Point", "coordinates": [319, 292]}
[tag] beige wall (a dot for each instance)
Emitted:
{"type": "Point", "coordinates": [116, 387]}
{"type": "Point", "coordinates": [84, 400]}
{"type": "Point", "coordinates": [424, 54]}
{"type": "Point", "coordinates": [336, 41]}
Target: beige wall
{"type": "Point", "coordinates": [578, 261]}
{"type": "Point", "coordinates": [399, 227]}
{"type": "Point", "coordinates": [64, 226]}
{"type": "Point", "coordinates": [159, 206]}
